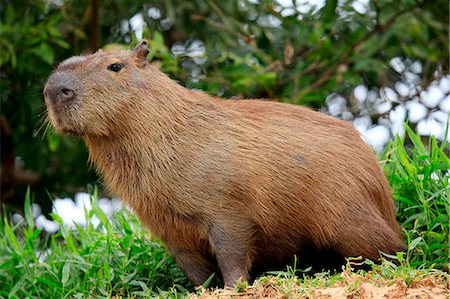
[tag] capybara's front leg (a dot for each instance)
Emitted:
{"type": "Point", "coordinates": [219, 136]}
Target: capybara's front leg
{"type": "Point", "coordinates": [232, 244]}
{"type": "Point", "coordinates": [197, 267]}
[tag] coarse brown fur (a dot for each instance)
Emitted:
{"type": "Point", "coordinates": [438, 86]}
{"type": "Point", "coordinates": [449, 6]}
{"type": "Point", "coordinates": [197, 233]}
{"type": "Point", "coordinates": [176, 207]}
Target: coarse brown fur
{"type": "Point", "coordinates": [238, 186]}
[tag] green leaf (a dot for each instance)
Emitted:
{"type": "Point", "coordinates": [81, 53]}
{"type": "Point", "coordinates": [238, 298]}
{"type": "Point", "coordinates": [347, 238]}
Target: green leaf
{"type": "Point", "coordinates": [19, 285]}
{"type": "Point", "coordinates": [143, 286]}
{"type": "Point", "coordinates": [57, 218]}
{"type": "Point", "coordinates": [414, 243]}
{"type": "Point", "coordinates": [65, 273]}
{"type": "Point", "coordinates": [63, 44]}
{"type": "Point", "coordinates": [27, 209]}
{"type": "Point", "coordinates": [267, 80]}
{"type": "Point", "coordinates": [54, 286]}
{"type": "Point", "coordinates": [53, 142]}
{"type": "Point", "coordinates": [53, 31]}
{"type": "Point", "coordinates": [30, 238]}
{"type": "Point", "coordinates": [417, 142]}
{"type": "Point", "coordinates": [45, 52]}
{"type": "Point", "coordinates": [400, 256]}
{"type": "Point", "coordinates": [208, 281]}
{"type": "Point", "coordinates": [329, 10]}
{"type": "Point", "coordinates": [12, 237]}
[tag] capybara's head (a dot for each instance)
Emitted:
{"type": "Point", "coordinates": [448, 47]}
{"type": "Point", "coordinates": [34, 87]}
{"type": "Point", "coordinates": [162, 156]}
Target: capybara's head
{"type": "Point", "coordinates": [89, 95]}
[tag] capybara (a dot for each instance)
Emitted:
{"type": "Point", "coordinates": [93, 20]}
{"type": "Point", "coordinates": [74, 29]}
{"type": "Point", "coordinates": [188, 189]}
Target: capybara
{"type": "Point", "coordinates": [235, 187]}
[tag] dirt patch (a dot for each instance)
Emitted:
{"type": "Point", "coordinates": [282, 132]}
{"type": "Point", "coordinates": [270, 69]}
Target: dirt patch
{"type": "Point", "coordinates": [351, 285]}
{"type": "Point", "coordinates": [370, 290]}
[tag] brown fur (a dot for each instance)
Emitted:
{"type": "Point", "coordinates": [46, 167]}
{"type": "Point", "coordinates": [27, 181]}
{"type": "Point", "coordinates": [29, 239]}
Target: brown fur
{"type": "Point", "coordinates": [242, 185]}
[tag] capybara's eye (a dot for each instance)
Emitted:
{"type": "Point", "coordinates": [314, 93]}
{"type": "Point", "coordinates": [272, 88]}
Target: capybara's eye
{"type": "Point", "coordinates": [115, 67]}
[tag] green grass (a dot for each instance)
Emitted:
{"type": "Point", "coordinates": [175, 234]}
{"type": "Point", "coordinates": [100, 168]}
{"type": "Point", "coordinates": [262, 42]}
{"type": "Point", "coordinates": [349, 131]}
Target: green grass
{"type": "Point", "coordinates": [114, 258]}
{"type": "Point", "coordinates": [118, 259]}
{"type": "Point", "coordinates": [420, 176]}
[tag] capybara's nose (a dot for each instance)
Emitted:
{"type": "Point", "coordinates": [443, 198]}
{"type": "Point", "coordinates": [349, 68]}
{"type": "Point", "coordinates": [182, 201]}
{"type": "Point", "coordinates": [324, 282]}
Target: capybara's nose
{"type": "Point", "coordinates": [66, 94]}
{"type": "Point", "coordinates": [59, 93]}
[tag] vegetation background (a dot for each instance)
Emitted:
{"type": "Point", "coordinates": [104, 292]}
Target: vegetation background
{"type": "Point", "coordinates": [358, 54]}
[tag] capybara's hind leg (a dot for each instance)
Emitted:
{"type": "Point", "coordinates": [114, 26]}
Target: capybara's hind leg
{"type": "Point", "coordinates": [231, 241]}
{"type": "Point", "coordinates": [196, 265]}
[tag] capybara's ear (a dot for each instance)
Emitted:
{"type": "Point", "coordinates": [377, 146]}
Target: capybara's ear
{"type": "Point", "coordinates": [141, 51]}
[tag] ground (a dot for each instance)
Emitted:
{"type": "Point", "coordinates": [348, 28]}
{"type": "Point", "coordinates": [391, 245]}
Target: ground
{"type": "Point", "coordinates": [433, 285]}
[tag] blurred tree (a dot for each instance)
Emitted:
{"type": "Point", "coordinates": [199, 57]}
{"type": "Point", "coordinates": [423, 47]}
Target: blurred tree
{"type": "Point", "coordinates": [292, 51]}
{"type": "Point", "coordinates": [29, 41]}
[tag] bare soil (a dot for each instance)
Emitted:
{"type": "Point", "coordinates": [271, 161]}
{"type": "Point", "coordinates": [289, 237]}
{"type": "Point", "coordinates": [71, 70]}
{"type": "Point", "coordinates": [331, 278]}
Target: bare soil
{"type": "Point", "coordinates": [371, 285]}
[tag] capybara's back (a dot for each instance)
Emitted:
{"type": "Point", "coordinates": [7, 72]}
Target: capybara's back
{"type": "Point", "coordinates": [232, 186]}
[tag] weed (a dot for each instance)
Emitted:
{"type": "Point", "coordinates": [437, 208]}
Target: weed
{"type": "Point", "coordinates": [420, 176]}
{"type": "Point", "coordinates": [114, 257]}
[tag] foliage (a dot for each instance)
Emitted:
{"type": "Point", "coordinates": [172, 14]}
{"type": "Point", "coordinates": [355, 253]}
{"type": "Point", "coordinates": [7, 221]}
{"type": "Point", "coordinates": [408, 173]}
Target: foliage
{"type": "Point", "coordinates": [30, 44]}
{"type": "Point", "coordinates": [281, 52]}
{"type": "Point", "coordinates": [114, 257]}
{"type": "Point", "coordinates": [227, 48]}
{"type": "Point", "coordinates": [420, 178]}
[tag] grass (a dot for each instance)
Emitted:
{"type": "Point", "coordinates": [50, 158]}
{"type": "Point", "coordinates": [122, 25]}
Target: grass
{"type": "Point", "coordinates": [111, 259]}
{"type": "Point", "coordinates": [118, 259]}
{"type": "Point", "coordinates": [420, 178]}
